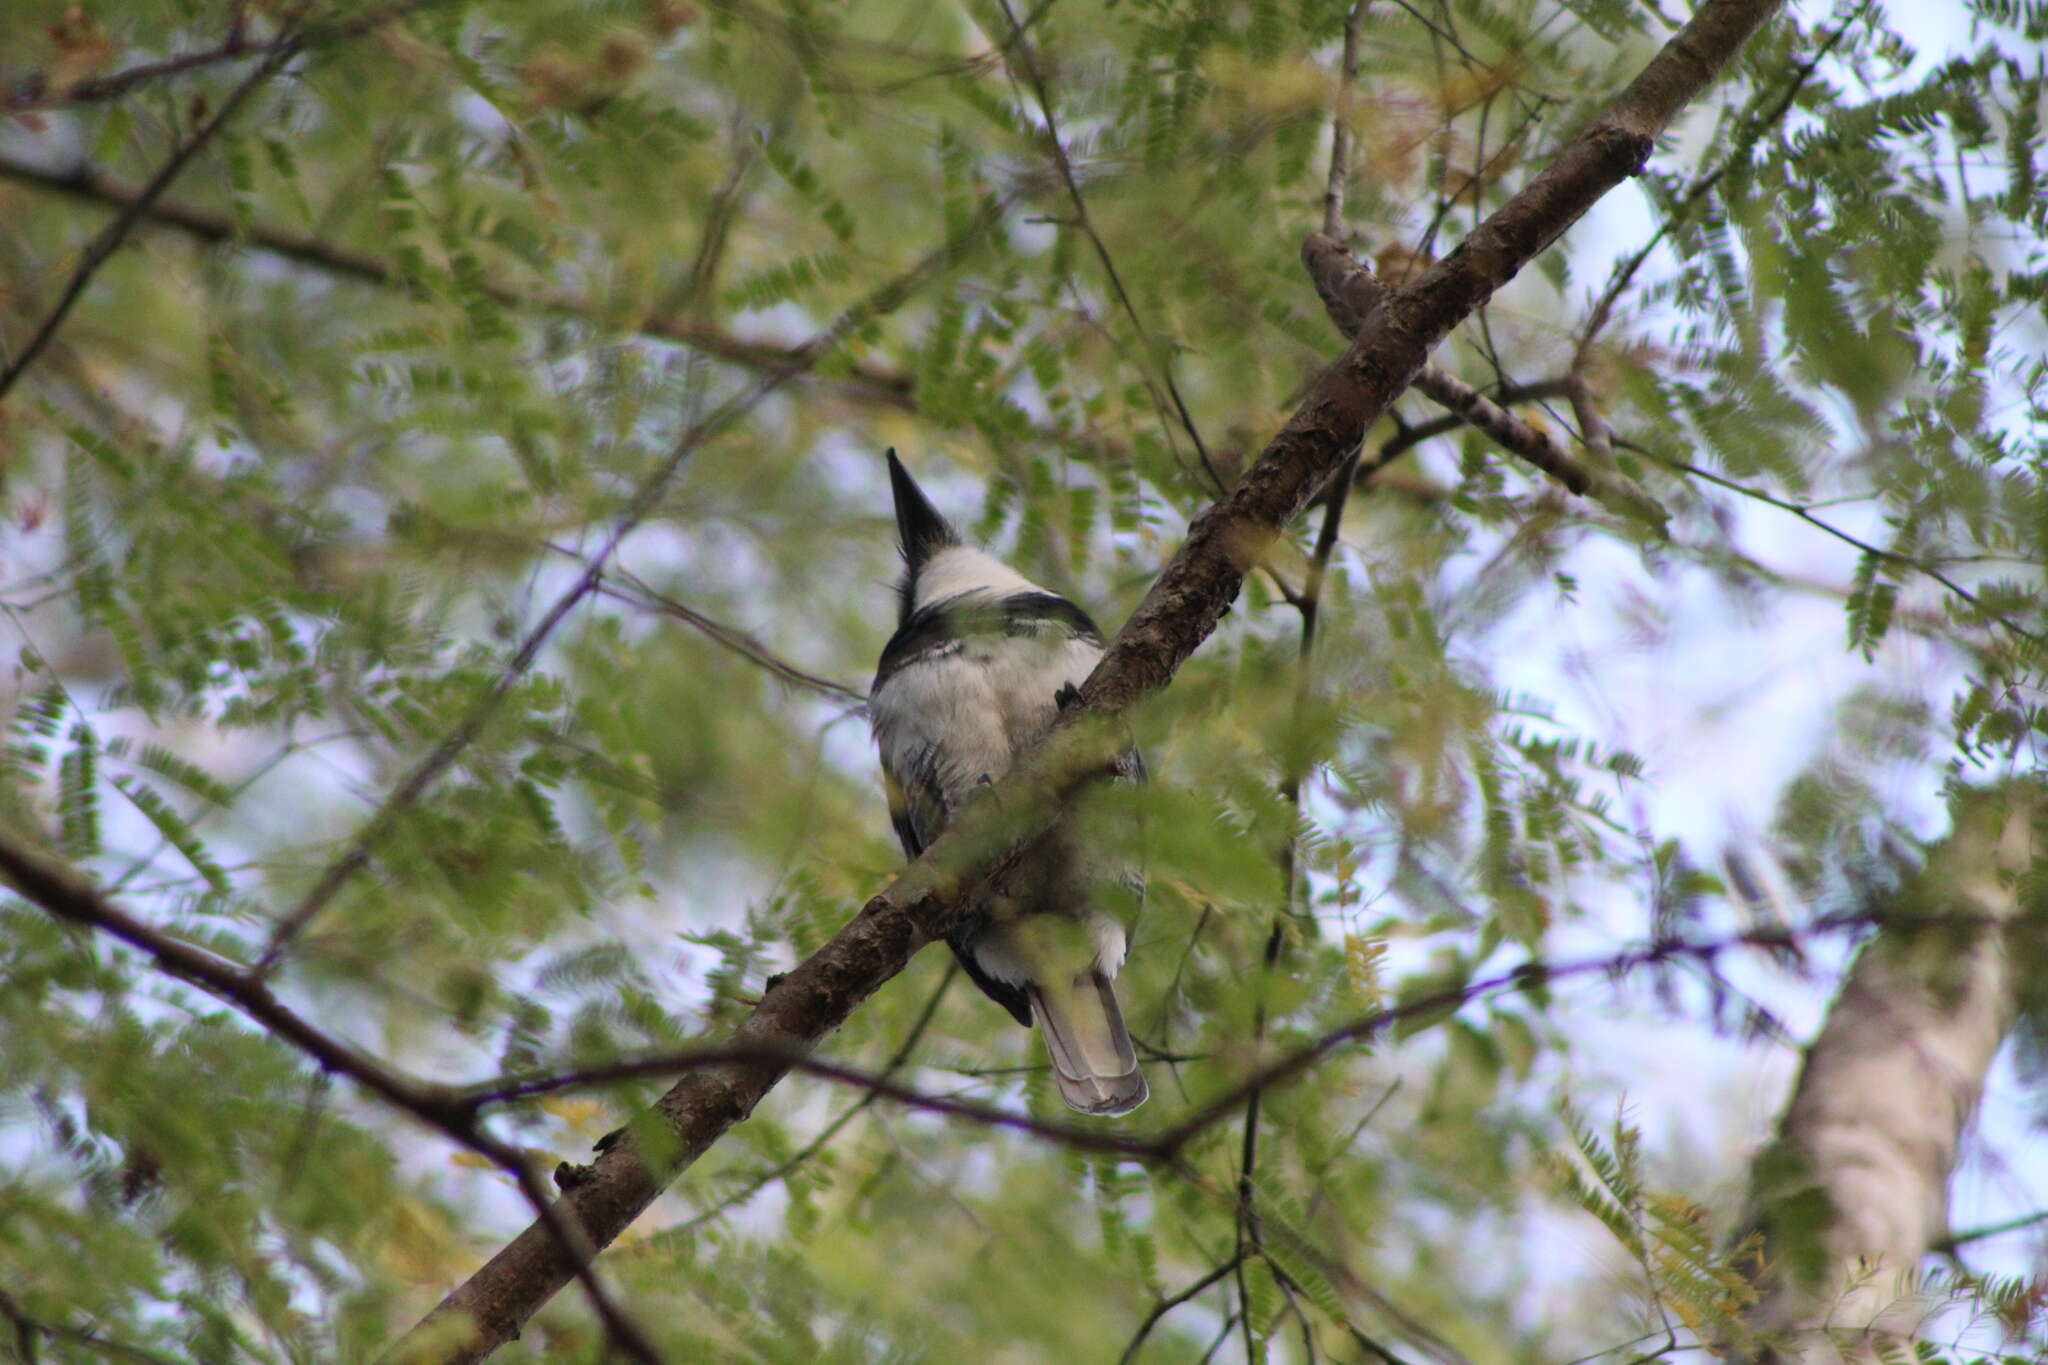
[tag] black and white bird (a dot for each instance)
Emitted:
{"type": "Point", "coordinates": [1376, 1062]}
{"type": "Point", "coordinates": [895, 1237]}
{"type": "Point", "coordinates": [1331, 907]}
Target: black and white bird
{"type": "Point", "coordinates": [972, 677]}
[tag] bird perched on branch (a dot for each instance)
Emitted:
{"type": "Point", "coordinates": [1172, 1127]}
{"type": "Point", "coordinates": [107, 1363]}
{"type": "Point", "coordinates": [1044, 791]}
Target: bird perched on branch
{"type": "Point", "coordinates": [981, 663]}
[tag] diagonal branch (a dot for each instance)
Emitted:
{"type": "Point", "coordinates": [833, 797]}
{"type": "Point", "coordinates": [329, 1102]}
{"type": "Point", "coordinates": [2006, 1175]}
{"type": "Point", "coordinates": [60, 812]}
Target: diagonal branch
{"type": "Point", "coordinates": [746, 646]}
{"type": "Point", "coordinates": [1352, 296]}
{"type": "Point", "coordinates": [63, 895]}
{"type": "Point", "coordinates": [1177, 615]}
{"type": "Point", "coordinates": [873, 382]}
{"type": "Point", "coordinates": [1165, 1306]}
{"type": "Point", "coordinates": [113, 234]}
{"type": "Point", "coordinates": [234, 47]}
{"type": "Point", "coordinates": [1152, 352]}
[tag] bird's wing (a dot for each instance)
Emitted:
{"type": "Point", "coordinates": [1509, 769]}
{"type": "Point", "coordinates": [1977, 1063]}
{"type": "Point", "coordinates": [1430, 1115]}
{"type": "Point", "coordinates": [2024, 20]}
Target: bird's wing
{"type": "Point", "coordinates": [917, 807]}
{"type": "Point", "coordinates": [917, 801]}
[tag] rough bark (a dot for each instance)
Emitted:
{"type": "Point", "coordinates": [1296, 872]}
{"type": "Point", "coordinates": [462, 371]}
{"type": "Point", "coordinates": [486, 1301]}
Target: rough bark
{"type": "Point", "coordinates": [1177, 615]}
{"type": "Point", "coordinates": [1853, 1192]}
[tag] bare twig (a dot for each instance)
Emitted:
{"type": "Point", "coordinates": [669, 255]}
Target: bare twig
{"type": "Point", "coordinates": [1352, 297]}
{"type": "Point", "coordinates": [741, 643]}
{"type": "Point", "coordinates": [1152, 352]}
{"type": "Point", "coordinates": [113, 234]}
{"type": "Point", "coordinates": [1593, 428]}
{"type": "Point", "coordinates": [863, 378]}
{"type": "Point", "coordinates": [1309, 604]}
{"type": "Point", "coordinates": [1415, 433]}
{"type": "Point", "coordinates": [1806, 514]}
{"type": "Point", "coordinates": [1167, 1305]}
{"type": "Point", "coordinates": [1990, 1230]}
{"type": "Point", "coordinates": [1625, 273]}
{"type": "Point", "coordinates": [234, 47]}
{"type": "Point", "coordinates": [1340, 127]}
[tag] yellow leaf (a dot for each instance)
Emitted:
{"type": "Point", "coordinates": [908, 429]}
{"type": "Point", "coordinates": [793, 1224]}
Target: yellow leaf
{"type": "Point", "coordinates": [418, 1244]}
{"type": "Point", "coordinates": [575, 1111]}
{"type": "Point", "coordinates": [1363, 958]}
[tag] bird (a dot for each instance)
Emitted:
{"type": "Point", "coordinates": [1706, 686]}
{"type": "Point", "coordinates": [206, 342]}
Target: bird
{"type": "Point", "coordinates": [982, 662]}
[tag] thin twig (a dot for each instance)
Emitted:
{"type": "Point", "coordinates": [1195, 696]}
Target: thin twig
{"type": "Point", "coordinates": [1166, 1145]}
{"type": "Point", "coordinates": [1340, 127]}
{"type": "Point", "coordinates": [639, 594]}
{"type": "Point", "coordinates": [862, 378]}
{"type": "Point", "coordinates": [1167, 1305]}
{"type": "Point", "coordinates": [1805, 514]}
{"type": "Point", "coordinates": [1414, 434]}
{"type": "Point", "coordinates": [513, 1088]}
{"type": "Point", "coordinates": [113, 234]}
{"type": "Point", "coordinates": [235, 47]}
{"type": "Point", "coordinates": [1625, 273]}
{"type": "Point", "coordinates": [1222, 1335]}
{"type": "Point", "coordinates": [1152, 351]}
{"type": "Point", "coordinates": [643, 502]}
{"type": "Point", "coordinates": [1989, 1230]}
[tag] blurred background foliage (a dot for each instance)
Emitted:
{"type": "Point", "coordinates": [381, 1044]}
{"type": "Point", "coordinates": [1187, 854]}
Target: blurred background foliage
{"type": "Point", "coordinates": [374, 384]}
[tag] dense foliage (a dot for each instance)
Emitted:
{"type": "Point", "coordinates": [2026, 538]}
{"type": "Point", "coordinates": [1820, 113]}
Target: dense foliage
{"type": "Point", "coordinates": [308, 497]}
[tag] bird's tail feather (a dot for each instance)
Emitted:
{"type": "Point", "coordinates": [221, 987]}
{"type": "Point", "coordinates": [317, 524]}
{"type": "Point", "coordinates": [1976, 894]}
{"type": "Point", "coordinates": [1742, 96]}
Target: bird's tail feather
{"type": "Point", "coordinates": [1092, 1057]}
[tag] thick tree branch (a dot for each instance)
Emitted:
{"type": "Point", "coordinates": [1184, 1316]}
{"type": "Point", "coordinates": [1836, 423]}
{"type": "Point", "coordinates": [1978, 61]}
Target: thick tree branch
{"type": "Point", "coordinates": [1177, 615]}
{"type": "Point", "coordinates": [1351, 296]}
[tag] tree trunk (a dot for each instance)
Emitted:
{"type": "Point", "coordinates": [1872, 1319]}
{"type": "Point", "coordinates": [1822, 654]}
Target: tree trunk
{"type": "Point", "coordinates": [1853, 1191]}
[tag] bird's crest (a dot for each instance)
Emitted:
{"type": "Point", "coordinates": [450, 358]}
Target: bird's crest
{"type": "Point", "coordinates": [920, 530]}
